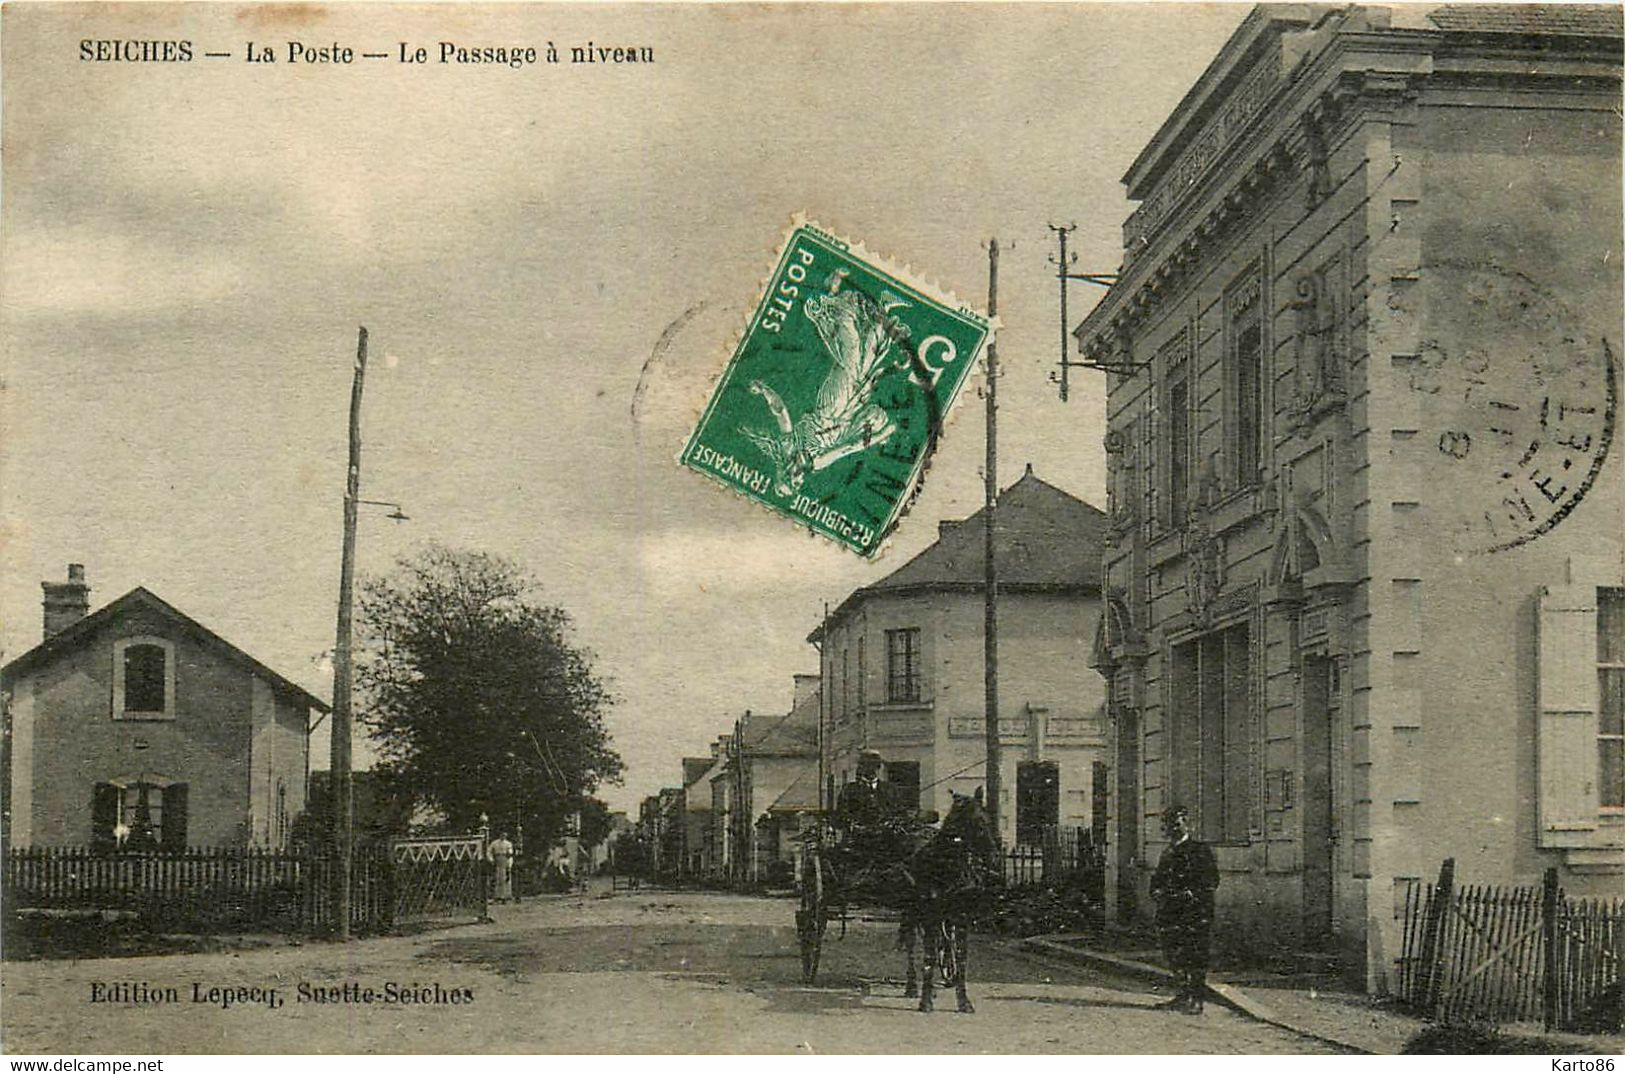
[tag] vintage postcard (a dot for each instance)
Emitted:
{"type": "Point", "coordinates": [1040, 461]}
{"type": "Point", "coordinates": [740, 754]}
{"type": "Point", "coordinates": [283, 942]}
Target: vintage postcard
{"type": "Point", "coordinates": [885, 528]}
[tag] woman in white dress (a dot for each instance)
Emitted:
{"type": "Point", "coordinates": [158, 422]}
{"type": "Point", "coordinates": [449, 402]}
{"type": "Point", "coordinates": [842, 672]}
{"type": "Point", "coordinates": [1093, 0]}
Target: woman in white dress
{"type": "Point", "coordinates": [500, 854]}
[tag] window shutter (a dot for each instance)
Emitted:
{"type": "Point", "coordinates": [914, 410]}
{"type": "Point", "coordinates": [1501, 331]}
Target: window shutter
{"type": "Point", "coordinates": [103, 815]}
{"type": "Point", "coordinates": [175, 817]}
{"type": "Point", "coordinates": [1566, 714]}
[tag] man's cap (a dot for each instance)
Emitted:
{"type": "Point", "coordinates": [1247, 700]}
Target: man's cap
{"type": "Point", "coordinates": [871, 755]}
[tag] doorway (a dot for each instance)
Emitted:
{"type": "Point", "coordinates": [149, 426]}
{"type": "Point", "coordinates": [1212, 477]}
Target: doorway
{"type": "Point", "coordinates": [1038, 801]}
{"type": "Point", "coordinates": [1128, 812]}
{"type": "Point", "coordinates": [1320, 716]}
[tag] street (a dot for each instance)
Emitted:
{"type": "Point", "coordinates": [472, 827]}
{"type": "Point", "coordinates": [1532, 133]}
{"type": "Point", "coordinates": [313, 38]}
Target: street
{"type": "Point", "coordinates": [633, 972]}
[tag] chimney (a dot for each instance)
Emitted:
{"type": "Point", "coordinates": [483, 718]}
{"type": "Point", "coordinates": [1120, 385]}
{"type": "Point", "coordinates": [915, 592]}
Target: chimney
{"type": "Point", "coordinates": [806, 689]}
{"type": "Point", "coordinates": [66, 602]}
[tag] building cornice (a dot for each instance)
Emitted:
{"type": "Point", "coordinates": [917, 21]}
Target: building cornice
{"type": "Point", "coordinates": [1237, 62]}
{"type": "Point", "coordinates": [1283, 136]}
{"type": "Point", "coordinates": [1260, 166]}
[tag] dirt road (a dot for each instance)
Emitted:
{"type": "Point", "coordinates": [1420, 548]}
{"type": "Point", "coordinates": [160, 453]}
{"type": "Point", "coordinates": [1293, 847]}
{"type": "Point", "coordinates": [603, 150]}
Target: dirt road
{"type": "Point", "coordinates": [648, 972]}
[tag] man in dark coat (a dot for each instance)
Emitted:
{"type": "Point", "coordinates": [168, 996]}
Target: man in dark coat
{"type": "Point", "coordinates": [870, 818]}
{"type": "Point", "coordinates": [865, 802]}
{"type": "Point", "coordinates": [1182, 888]}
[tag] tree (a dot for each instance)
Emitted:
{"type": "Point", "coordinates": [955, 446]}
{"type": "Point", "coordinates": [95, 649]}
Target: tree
{"type": "Point", "coordinates": [477, 699]}
{"type": "Point", "coordinates": [595, 822]}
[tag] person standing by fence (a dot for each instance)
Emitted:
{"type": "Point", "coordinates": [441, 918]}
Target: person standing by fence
{"type": "Point", "coordinates": [1182, 888]}
{"type": "Point", "coordinates": [500, 854]}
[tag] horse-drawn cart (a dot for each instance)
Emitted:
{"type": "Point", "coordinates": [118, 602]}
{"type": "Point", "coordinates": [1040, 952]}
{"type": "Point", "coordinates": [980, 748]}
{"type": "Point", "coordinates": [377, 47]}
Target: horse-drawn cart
{"type": "Point", "coordinates": [928, 878]}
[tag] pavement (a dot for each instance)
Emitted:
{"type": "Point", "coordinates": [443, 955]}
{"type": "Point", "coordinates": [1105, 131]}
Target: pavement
{"type": "Point", "coordinates": [644, 972]}
{"type": "Point", "coordinates": [1324, 1011]}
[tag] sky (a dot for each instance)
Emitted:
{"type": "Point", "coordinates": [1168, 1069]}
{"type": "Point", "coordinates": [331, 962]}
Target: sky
{"type": "Point", "coordinates": [189, 248]}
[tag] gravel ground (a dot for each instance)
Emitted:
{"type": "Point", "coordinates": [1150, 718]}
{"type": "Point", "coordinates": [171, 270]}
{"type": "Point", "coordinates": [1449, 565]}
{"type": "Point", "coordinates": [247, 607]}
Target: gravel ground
{"type": "Point", "coordinates": [643, 972]}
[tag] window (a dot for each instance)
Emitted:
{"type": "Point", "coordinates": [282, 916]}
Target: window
{"type": "Point", "coordinates": [1179, 447]}
{"type": "Point", "coordinates": [1038, 801]}
{"type": "Point", "coordinates": [903, 665]}
{"type": "Point", "coordinates": [1174, 359]}
{"type": "Point", "coordinates": [1611, 700]}
{"type": "Point", "coordinates": [143, 679]}
{"type": "Point", "coordinates": [1580, 713]}
{"type": "Point", "coordinates": [863, 682]}
{"type": "Point", "coordinates": [904, 778]}
{"type": "Point", "coordinates": [1249, 402]}
{"type": "Point", "coordinates": [846, 682]}
{"type": "Point", "coordinates": [138, 815]}
{"type": "Point", "coordinates": [1212, 733]}
{"type": "Point", "coordinates": [1246, 379]}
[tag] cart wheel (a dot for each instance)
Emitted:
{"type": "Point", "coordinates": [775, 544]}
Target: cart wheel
{"type": "Point", "coordinates": [810, 918]}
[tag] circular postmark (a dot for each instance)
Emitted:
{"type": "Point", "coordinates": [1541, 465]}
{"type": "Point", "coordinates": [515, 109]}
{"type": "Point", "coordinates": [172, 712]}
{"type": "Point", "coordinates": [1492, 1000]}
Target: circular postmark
{"type": "Point", "coordinates": [1517, 403]}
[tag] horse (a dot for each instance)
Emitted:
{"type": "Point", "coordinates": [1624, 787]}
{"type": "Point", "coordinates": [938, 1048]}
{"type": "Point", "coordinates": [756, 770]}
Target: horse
{"type": "Point", "coordinates": [949, 876]}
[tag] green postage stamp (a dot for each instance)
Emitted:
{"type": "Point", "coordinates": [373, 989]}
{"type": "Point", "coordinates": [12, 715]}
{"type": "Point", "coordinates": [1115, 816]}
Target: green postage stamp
{"type": "Point", "coordinates": [834, 399]}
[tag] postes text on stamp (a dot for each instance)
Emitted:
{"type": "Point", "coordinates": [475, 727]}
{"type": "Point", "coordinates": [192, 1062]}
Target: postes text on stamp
{"type": "Point", "coordinates": [835, 397]}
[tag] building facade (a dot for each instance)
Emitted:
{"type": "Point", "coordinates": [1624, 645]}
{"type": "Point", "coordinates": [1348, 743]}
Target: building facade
{"type": "Point", "coordinates": [136, 726]}
{"type": "Point", "coordinates": [766, 756]}
{"type": "Point", "coordinates": [902, 666]}
{"type": "Point", "coordinates": [1365, 555]}
{"type": "Point", "coordinates": [659, 834]}
{"type": "Point", "coordinates": [695, 807]}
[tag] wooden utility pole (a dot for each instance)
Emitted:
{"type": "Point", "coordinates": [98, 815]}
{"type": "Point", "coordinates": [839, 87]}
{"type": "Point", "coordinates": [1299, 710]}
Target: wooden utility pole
{"type": "Point", "coordinates": [824, 675]}
{"type": "Point", "coordinates": [991, 578]}
{"type": "Point", "coordinates": [339, 750]}
{"type": "Point", "coordinates": [1066, 325]}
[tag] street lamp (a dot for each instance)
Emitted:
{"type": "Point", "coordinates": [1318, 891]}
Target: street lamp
{"type": "Point", "coordinates": [396, 515]}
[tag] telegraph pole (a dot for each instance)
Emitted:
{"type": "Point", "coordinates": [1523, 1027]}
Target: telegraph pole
{"type": "Point", "coordinates": [339, 750]}
{"type": "Point", "coordinates": [823, 699]}
{"type": "Point", "coordinates": [1066, 366]}
{"type": "Point", "coordinates": [1063, 272]}
{"type": "Point", "coordinates": [991, 579]}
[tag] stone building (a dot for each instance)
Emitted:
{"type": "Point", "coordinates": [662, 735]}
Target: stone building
{"type": "Point", "coordinates": [764, 757]}
{"type": "Point", "coordinates": [1367, 540]}
{"type": "Point", "coordinates": [136, 726]}
{"type": "Point", "coordinates": [659, 834]}
{"type": "Point", "coordinates": [902, 666]}
{"type": "Point", "coordinates": [695, 807]}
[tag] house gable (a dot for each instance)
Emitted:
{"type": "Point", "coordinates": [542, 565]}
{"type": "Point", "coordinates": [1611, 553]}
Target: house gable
{"type": "Point", "coordinates": [138, 694]}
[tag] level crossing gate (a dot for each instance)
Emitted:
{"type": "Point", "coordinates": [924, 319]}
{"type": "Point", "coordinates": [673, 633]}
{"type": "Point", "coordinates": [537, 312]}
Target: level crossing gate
{"type": "Point", "coordinates": [438, 876]}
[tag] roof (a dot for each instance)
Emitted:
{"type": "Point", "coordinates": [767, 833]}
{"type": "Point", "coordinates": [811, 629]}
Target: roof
{"type": "Point", "coordinates": [1557, 20]}
{"type": "Point", "coordinates": [794, 734]}
{"type": "Point", "coordinates": [1044, 539]}
{"type": "Point", "coordinates": [695, 767]}
{"type": "Point", "coordinates": [141, 598]}
{"type": "Point", "coordinates": [800, 796]}
{"type": "Point", "coordinates": [701, 802]}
